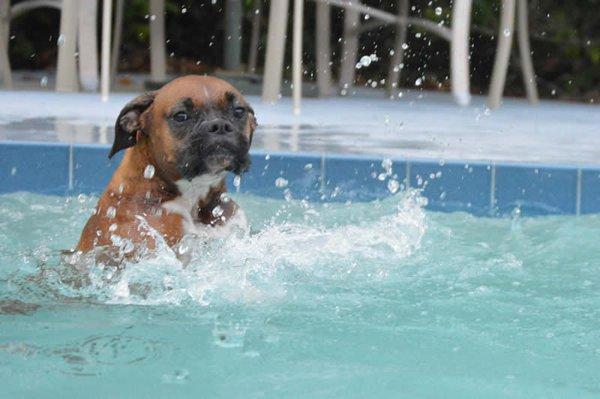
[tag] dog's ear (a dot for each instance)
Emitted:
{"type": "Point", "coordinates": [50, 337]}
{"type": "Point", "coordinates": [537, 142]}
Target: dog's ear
{"type": "Point", "coordinates": [128, 122]}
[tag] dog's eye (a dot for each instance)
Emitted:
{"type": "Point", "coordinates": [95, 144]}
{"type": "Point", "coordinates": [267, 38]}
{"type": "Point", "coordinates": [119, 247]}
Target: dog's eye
{"type": "Point", "coordinates": [239, 112]}
{"type": "Point", "coordinates": [181, 116]}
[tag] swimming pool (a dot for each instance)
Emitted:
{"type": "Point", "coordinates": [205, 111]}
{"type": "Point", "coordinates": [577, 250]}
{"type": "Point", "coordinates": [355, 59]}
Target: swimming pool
{"type": "Point", "coordinates": [353, 283]}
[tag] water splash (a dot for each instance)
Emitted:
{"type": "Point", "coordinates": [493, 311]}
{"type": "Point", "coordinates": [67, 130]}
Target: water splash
{"type": "Point", "coordinates": [298, 241]}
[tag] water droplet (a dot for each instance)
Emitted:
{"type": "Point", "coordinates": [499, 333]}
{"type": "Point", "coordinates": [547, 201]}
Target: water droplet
{"type": "Point", "coordinates": [393, 185]}
{"type": "Point", "coordinates": [13, 171]}
{"type": "Point", "coordinates": [121, 188]}
{"type": "Point", "coordinates": [61, 40]}
{"type": "Point", "coordinates": [225, 198]}
{"type": "Point", "coordinates": [506, 32]}
{"type": "Point", "coordinates": [386, 164]}
{"type": "Point", "coordinates": [217, 211]}
{"type": "Point", "coordinates": [418, 82]}
{"type": "Point", "coordinates": [111, 212]}
{"type": "Point", "coordinates": [44, 81]}
{"type": "Point", "coordinates": [516, 213]}
{"type": "Point", "coordinates": [281, 182]}
{"type": "Point", "coordinates": [81, 198]}
{"type": "Point", "coordinates": [267, 157]}
{"type": "Point", "coordinates": [237, 180]}
{"type": "Point", "coordinates": [404, 46]}
{"type": "Point", "coordinates": [438, 11]}
{"type": "Point", "coordinates": [178, 377]}
{"type": "Point", "coordinates": [109, 274]}
{"type": "Point", "coordinates": [365, 60]}
{"type": "Point", "coordinates": [112, 227]}
{"type": "Point", "coordinates": [308, 166]}
{"type": "Point", "coordinates": [183, 10]}
{"type": "Point", "coordinates": [152, 17]}
{"type": "Point", "coordinates": [149, 172]}
{"type": "Point", "coordinates": [127, 246]}
{"type": "Point", "coordinates": [183, 249]}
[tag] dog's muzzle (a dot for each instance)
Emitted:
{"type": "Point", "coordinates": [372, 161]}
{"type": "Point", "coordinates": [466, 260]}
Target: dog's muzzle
{"type": "Point", "coordinates": [217, 146]}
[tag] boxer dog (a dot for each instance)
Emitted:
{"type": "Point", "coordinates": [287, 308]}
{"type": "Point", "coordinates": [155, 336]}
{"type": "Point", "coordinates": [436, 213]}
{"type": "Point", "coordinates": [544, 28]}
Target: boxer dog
{"type": "Point", "coordinates": [180, 141]}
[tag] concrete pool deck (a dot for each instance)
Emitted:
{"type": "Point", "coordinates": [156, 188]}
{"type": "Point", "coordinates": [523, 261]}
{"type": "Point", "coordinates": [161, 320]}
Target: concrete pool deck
{"type": "Point", "coordinates": [420, 124]}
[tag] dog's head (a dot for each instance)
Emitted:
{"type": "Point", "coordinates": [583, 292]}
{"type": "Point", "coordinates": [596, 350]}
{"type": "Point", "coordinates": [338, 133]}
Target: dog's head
{"type": "Point", "coordinates": [192, 126]}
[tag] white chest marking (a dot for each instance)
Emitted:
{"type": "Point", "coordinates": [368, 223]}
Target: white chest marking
{"type": "Point", "coordinates": [185, 205]}
{"type": "Point", "coordinates": [191, 192]}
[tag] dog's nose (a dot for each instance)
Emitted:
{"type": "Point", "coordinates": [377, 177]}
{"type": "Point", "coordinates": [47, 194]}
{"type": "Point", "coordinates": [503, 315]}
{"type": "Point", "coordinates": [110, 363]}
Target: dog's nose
{"type": "Point", "coordinates": [217, 126]}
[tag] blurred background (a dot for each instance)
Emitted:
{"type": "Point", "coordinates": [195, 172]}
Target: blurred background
{"type": "Point", "coordinates": [565, 44]}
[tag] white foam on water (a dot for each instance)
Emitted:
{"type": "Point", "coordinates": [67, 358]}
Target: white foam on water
{"type": "Point", "coordinates": [259, 267]}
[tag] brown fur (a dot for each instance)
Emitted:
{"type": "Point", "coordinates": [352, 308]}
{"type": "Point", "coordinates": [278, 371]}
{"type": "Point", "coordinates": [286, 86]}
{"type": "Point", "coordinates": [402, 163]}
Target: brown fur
{"type": "Point", "coordinates": [131, 195]}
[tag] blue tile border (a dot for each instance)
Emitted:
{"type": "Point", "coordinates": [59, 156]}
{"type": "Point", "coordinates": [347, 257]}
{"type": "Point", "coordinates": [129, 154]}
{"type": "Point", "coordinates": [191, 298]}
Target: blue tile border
{"type": "Point", "coordinates": [92, 169]}
{"type": "Point", "coordinates": [279, 175]}
{"type": "Point", "coordinates": [538, 190]}
{"type": "Point", "coordinates": [352, 178]}
{"type": "Point", "coordinates": [483, 189]}
{"type": "Point", "coordinates": [38, 167]}
{"type": "Point", "coordinates": [589, 189]}
{"type": "Point", "coordinates": [451, 186]}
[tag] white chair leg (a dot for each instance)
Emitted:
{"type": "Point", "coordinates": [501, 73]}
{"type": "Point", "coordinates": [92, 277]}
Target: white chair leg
{"type": "Point", "coordinates": [117, 38]}
{"type": "Point", "coordinates": [525, 51]}
{"type": "Point", "coordinates": [350, 48]}
{"type": "Point", "coordinates": [66, 70]}
{"type": "Point", "coordinates": [297, 54]}
{"type": "Point", "coordinates": [398, 57]}
{"type": "Point", "coordinates": [459, 51]}
{"type": "Point", "coordinates": [5, 71]}
{"type": "Point", "coordinates": [254, 36]}
{"type": "Point", "coordinates": [323, 48]}
{"type": "Point", "coordinates": [158, 60]}
{"type": "Point", "coordinates": [275, 51]}
{"type": "Point", "coordinates": [88, 44]}
{"type": "Point", "coordinates": [233, 32]}
{"type": "Point", "coordinates": [505, 36]}
{"type": "Point", "coordinates": [105, 66]}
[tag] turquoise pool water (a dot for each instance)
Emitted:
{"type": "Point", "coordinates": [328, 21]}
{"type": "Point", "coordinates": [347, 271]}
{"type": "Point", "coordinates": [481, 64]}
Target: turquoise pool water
{"type": "Point", "coordinates": [342, 300]}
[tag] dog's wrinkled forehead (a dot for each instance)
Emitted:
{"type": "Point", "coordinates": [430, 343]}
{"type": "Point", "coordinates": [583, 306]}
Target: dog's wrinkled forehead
{"type": "Point", "coordinates": [201, 91]}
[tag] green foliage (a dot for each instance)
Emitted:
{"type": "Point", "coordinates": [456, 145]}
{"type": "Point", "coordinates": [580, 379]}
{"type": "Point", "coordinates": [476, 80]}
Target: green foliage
{"type": "Point", "coordinates": [33, 48]}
